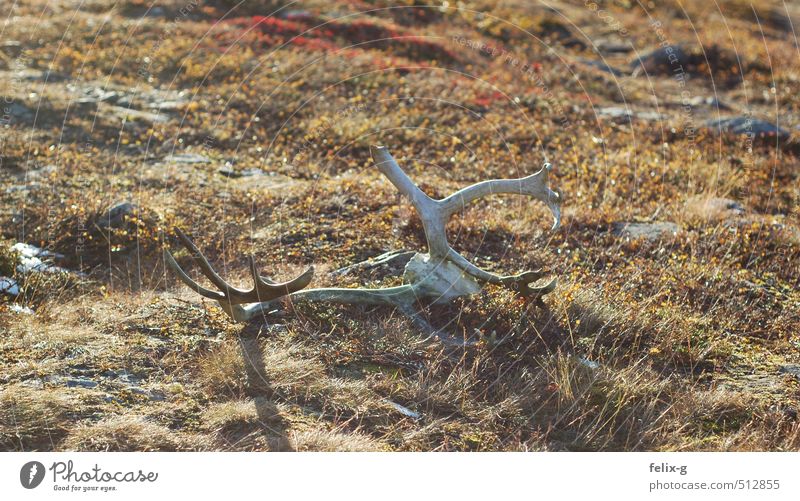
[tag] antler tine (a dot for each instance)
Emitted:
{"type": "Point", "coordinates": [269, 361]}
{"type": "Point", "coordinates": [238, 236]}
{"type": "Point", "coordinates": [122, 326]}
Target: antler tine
{"type": "Point", "coordinates": [188, 281]}
{"type": "Point", "coordinates": [263, 289]}
{"type": "Point", "coordinates": [267, 290]}
{"type": "Point", "coordinates": [203, 263]}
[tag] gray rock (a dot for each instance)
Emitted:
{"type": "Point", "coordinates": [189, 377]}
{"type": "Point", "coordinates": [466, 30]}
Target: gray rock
{"type": "Point", "coordinates": [94, 95]}
{"type": "Point", "coordinates": [188, 158]}
{"type": "Point", "coordinates": [129, 114]}
{"type": "Point", "coordinates": [709, 101]}
{"type": "Point", "coordinates": [11, 48]}
{"type": "Point", "coordinates": [747, 126]}
{"type": "Point", "coordinates": [614, 46]}
{"type": "Point", "coordinates": [659, 61]}
{"type": "Point", "coordinates": [621, 114]}
{"type": "Point", "coordinates": [229, 171]}
{"type": "Point", "coordinates": [115, 216]}
{"type": "Point", "coordinates": [793, 369]}
{"type": "Point", "coordinates": [9, 286]}
{"type": "Point", "coordinates": [648, 231]}
{"type": "Point", "coordinates": [80, 383]}
{"type": "Point", "coordinates": [71, 382]}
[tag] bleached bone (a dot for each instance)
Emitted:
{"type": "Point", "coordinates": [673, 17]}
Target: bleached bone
{"type": "Point", "coordinates": [440, 275]}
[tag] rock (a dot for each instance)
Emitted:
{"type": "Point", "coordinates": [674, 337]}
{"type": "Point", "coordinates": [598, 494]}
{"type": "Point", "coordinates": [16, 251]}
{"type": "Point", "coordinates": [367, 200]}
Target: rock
{"type": "Point", "coordinates": [620, 114]}
{"type": "Point", "coordinates": [94, 95]}
{"type": "Point", "coordinates": [747, 126]}
{"type": "Point", "coordinates": [188, 158]}
{"type": "Point", "coordinates": [648, 231]}
{"type": "Point", "coordinates": [71, 382]}
{"type": "Point", "coordinates": [9, 286]}
{"type": "Point", "coordinates": [229, 171]}
{"type": "Point", "coordinates": [129, 114]}
{"type": "Point", "coordinates": [116, 215]}
{"type": "Point", "coordinates": [613, 47]}
{"type": "Point", "coordinates": [11, 48]}
{"type": "Point", "coordinates": [80, 383]}
{"type": "Point", "coordinates": [709, 101]}
{"type": "Point", "coordinates": [714, 208]}
{"type": "Point", "coordinates": [793, 369]}
{"type": "Point", "coordinates": [660, 61]}
{"type": "Point", "coordinates": [122, 376]}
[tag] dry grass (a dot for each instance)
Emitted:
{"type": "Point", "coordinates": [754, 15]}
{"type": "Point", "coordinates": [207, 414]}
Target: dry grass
{"type": "Point", "coordinates": [129, 433]}
{"type": "Point", "coordinates": [683, 342]}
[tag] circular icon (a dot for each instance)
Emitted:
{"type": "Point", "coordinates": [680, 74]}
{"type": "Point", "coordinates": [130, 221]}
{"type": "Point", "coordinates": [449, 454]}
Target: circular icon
{"type": "Point", "coordinates": [31, 474]}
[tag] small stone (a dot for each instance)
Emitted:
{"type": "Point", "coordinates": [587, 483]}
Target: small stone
{"type": "Point", "coordinates": [11, 48]}
{"type": "Point", "coordinates": [129, 114]}
{"type": "Point", "coordinates": [80, 383]}
{"type": "Point", "coordinates": [115, 216]}
{"type": "Point", "coordinates": [621, 114]}
{"type": "Point", "coordinates": [188, 158]}
{"type": "Point", "coordinates": [709, 101]}
{"type": "Point", "coordinates": [747, 126]}
{"type": "Point", "coordinates": [614, 46]}
{"type": "Point", "coordinates": [661, 60]}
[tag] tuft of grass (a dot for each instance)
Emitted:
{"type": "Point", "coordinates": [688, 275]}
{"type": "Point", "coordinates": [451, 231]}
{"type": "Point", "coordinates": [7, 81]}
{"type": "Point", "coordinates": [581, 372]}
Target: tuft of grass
{"type": "Point", "coordinates": [34, 419]}
{"type": "Point", "coordinates": [130, 433]}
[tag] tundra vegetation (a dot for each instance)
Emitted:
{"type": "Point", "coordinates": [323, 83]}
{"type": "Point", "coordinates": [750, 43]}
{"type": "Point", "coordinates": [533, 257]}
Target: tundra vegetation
{"type": "Point", "coordinates": [671, 128]}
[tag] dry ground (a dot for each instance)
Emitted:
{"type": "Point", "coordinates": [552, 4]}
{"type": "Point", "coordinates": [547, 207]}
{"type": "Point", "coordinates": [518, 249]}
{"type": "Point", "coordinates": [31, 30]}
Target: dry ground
{"type": "Point", "coordinates": [685, 338]}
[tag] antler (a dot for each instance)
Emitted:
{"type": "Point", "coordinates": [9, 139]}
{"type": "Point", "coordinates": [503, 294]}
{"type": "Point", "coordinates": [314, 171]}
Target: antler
{"type": "Point", "coordinates": [441, 275]}
{"type": "Point", "coordinates": [435, 213]}
{"type": "Point", "coordinates": [263, 289]}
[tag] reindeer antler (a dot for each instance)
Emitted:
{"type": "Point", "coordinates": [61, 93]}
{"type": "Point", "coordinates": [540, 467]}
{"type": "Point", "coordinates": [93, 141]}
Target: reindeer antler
{"type": "Point", "coordinates": [435, 213]}
{"type": "Point", "coordinates": [263, 289]}
{"type": "Point", "coordinates": [441, 275]}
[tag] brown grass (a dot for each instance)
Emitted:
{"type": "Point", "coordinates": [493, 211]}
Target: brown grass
{"type": "Point", "coordinates": [681, 343]}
